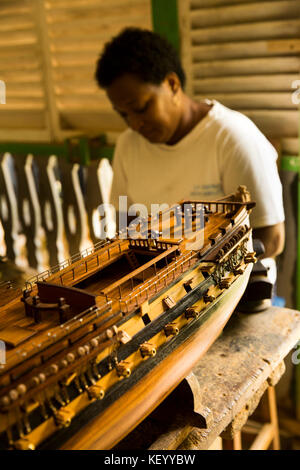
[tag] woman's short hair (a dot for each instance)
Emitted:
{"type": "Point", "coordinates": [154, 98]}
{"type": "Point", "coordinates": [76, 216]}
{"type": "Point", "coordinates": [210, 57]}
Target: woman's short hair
{"type": "Point", "coordinates": [140, 52]}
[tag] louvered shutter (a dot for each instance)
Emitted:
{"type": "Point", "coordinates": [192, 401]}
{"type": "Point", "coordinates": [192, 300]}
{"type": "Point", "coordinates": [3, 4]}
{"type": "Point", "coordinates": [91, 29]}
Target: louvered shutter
{"type": "Point", "coordinates": [48, 52]}
{"type": "Point", "coordinates": [77, 31]}
{"type": "Point", "coordinates": [247, 56]}
{"type": "Point", "coordinates": [24, 113]}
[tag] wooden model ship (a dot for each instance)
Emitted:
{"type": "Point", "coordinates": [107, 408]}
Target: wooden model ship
{"type": "Point", "coordinates": [95, 344]}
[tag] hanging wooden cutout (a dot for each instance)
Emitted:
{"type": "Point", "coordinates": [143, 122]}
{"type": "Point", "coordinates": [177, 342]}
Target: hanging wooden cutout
{"type": "Point", "coordinates": [9, 207]}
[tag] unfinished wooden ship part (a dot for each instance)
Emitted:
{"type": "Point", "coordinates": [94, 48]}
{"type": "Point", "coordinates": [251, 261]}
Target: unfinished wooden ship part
{"type": "Point", "coordinates": [96, 343]}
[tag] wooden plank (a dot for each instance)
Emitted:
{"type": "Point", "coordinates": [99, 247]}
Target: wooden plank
{"type": "Point", "coordinates": [264, 438]}
{"type": "Point", "coordinates": [98, 186]}
{"type": "Point", "coordinates": [20, 118]}
{"type": "Point", "coordinates": [26, 90]}
{"type": "Point", "coordinates": [251, 66]}
{"type": "Point", "coordinates": [14, 8]}
{"type": "Point", "coordinates": [207, 3]}
{"type": "Point", "coordinates": [274, 82]}
{"type": "Point", "coordinates": [100, 35]}
{"type": "Point", "coordinates": [24, 77]}
{"type": "Point", "coordinates": [250, 31]}
{"type": "Point", "coordinates": [290, 146]}
{"type": "Point", "coordinates": [22, 105]}
{"type": "Point", "coordinates": [91, 120]}
{"type": "Point", "coordinates": [89, 4]}
{"type": "Point", "coordinates": [243, 49]}
{"type": "Point", "coordinates": [73, 205]}
{"type": "Point", "coordinates": [252, 100]}
{"type": "Point", "coordinates": [24, 135]}
{"type": "Point", "coordinates": [19, 64]}
{"type": "Point", "coordinates": [82, 72]}
{"type": "Point", "coordinates": [18, 38]}
{"type": "Point", "coordinates": [233, 14]}
{"type": "Point", "coordinates": [52, 116]}
{"type": "Point", "coordinates": [24, 51]}
{"type": "Point", "coordinates": [186, 43]}
{"type": "Point", "coordinates": [76, 87]}
{"type": "Point", "coordinates": [51, 209]}
{"type": "Point", "coordinates": [275, 123]}
{"type": "Point", "coordinates": [98, 15]}
{"type": "Point", "coordinates": [8, 209]}
{"type": "Point", "coordinates": [272, 409]}
{"type": "Point", "coordinates": [65, 55]}
{"type": "Point", "coordinates": [29, 209]}
{"type": "Point", "coordinates": [84, 103]}
{"type": "Point", "coordinates": [14, 24]}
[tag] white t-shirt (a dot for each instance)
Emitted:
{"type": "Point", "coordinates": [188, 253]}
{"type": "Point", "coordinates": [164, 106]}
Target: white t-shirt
{"type": "Point", "coordinates": [224, 150]}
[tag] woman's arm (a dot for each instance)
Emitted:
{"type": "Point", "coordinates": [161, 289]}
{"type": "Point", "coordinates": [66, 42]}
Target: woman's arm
{"type": "Point", "coordinates": [272, 237]}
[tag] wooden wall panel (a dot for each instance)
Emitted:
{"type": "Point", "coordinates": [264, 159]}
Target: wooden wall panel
{"type": "Point", "coordinates": [22, 71]}
{"type": "Point", "coordinates": [48, 52]}
{"type": "Point", "coordinates": [246, 54]}
{"type": "Point", "coordinates": [77, 33]}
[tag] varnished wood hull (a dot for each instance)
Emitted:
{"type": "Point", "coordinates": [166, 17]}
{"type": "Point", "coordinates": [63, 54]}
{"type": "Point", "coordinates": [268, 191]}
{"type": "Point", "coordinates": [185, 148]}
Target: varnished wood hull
{"type": "Point", "coordinates": [131, 407]}
{"type": "Point", "coordinates": [108, 335]}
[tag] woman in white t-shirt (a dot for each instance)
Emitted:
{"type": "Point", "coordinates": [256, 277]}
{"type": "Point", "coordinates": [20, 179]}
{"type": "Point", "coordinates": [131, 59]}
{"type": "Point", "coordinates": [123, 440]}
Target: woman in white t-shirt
{"type": "Point", "coordinates": [177, 147]}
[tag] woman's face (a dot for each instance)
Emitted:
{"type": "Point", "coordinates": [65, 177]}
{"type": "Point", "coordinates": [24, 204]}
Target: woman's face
{"type": "Point", "coordinates": [151, 110]}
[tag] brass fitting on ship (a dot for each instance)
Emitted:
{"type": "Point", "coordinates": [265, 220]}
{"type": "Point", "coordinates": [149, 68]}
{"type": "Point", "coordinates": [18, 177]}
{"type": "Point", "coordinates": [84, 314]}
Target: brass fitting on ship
{"type": "Point", "coordinates": [250, 258]}
{"type": "Point", "coordinates": [191, 312]}
{"type": "Point", "coordinates": [238, 271]}
{"type": "Point", "coordinates": [208, 298]}
{"type": "Point", "coordinates": [171, 329]}
{"type": "Point", "coordinates": [63, 417]}
{"type": "Point", "coordinates": [147, 350]}
{"type": "Point", "coordinates": [225, 283]}
{"type": "Point", "coordinates": [123, 370]}
{"type": "Point", "coordinates": [97, 392]}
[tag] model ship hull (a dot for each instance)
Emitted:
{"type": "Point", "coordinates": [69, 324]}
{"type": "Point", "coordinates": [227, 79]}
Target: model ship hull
{"type": "Point", "coordinates": [118, 354]}
{"type": "Point", "coordinates": [160, 376]}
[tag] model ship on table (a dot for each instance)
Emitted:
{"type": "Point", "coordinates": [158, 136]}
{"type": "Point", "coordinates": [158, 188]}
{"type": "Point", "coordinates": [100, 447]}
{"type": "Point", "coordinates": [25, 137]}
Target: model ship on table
{"type": "Point", "coordinates": [95, 344]}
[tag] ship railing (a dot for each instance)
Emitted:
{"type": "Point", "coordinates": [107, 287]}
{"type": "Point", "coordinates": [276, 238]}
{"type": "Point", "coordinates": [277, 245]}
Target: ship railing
{"type": "Point", "coordinates": [164, 278]}
{"type": "Point", "coordinates": [219, 206]}
{"type": "Point", "coordinates": [66, 263]}
{"type": "Point", "coordinates": [153, 243]}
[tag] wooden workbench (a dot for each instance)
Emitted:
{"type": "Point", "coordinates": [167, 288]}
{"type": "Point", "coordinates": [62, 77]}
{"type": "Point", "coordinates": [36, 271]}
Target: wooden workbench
{"type": "Point", "coordinates": [226, 385]}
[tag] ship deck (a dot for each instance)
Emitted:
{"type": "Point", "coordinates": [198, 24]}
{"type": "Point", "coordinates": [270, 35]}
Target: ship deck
{"type": "Point", "coordinates": [95, 274]}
